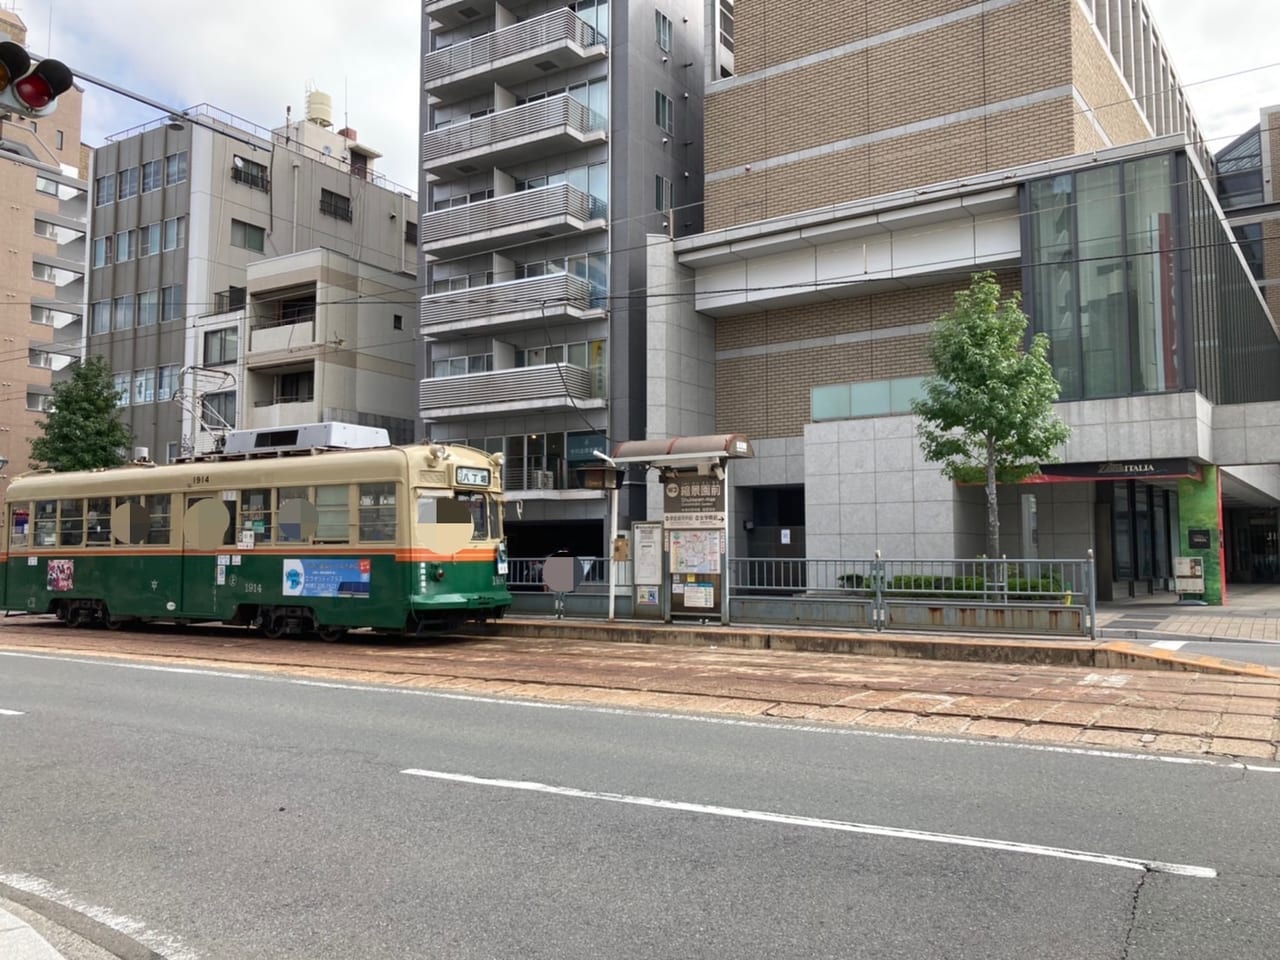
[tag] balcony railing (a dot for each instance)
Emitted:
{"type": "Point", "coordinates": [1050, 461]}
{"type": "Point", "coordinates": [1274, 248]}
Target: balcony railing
{"type": "Point", "coordinates": [515, 218]}
{"type": "Point", "coordinates": [512, 55]}
{"type": "Point", "coordinates": [502, 306]}
{"type": "Point", "coordinates": [552, 386]}
{"type": "Point", "coordinates": [560, 122]}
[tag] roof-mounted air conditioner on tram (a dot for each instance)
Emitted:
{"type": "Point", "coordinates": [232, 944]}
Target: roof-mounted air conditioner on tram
{"type": "Point", "coordinates": [304, 437]}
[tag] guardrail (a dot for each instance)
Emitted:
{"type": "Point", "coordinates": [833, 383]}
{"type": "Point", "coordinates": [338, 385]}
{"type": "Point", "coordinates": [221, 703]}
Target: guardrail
{"type": "Point", "coordinates": [1057, 596]}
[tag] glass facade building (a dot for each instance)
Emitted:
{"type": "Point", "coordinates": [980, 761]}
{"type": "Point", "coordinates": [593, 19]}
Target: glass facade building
{"type": "Point", "coordinates": [1135, 280]}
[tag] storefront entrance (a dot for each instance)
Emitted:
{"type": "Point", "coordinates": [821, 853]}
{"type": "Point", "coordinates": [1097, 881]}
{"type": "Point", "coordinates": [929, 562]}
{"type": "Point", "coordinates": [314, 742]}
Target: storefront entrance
{"type": "Point", "coordinates": [1253, 545]}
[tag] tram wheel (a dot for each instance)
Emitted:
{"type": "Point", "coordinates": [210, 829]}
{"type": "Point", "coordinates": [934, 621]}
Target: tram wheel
{"type": "Point", "coordinates": [275, 627]}
{"type": "Point", "coordinates": [331, 634]}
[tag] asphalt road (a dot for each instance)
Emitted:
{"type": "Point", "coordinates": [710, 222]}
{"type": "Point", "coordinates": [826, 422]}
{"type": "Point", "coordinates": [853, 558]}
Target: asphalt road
{"type": "Point", "coordinates": [1265, 652]}
{"type": "Point", "coordinates": [224, 816]}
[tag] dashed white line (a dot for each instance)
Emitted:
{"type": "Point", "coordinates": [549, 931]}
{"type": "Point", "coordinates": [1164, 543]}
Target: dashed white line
{"type": "Point", "coordinates": [1169, 644]}
{"type": "Point", "coordinates": [777, 726]}
{"type": "Point", "coordinates": [11, 713]}
{"type": "Point", "coordinates": [843, 826]}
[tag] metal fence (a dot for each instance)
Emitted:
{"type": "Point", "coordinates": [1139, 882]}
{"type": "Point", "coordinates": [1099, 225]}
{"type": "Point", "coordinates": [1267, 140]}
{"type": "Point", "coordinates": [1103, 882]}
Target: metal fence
{"type": "Point", "coordinates": [1007, 594]}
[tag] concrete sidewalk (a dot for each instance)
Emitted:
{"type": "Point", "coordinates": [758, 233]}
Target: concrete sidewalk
{"type": "Point", "coordinates": [27, 934]}
{"type": "Point", "coordinates": [1252, 612]}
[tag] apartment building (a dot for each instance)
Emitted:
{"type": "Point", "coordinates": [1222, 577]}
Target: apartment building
{"type": "Point", "coordinates": [1046, 140]}
{"type": "Point", "coordinates": [44, 193]}
{"type": "Point", "coordinates": [243, 277]}
{"type": "Point", "coordinates": [555, 137]}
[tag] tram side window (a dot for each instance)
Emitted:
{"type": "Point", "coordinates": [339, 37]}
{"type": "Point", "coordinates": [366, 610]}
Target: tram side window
{"type": "Point", "coordinates": [46, 523]}
{"type": "Point", "coordinates": [377, 511]}
{"type": "Point", "coordinates": [334, 519]}
{"type": "Point", "coordinates": [19, 525]}
{"type": "Point", "coordinates": [71, 529]}
{"type": "Point", "coordinates": [159, 506]}
{"type": "Point", "coordinates": [285, 533]}
{"type": "Point", "coordinates": [98, 518]}
{"type": "Point", "coordinates": [255, 513]}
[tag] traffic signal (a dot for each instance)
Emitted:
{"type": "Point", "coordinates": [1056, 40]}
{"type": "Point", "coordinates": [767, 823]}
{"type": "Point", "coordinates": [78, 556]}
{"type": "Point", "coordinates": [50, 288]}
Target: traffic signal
{"type": "Point", "coordinates": [31, 91]}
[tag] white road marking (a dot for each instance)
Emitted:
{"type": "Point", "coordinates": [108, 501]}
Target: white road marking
{"type": "Point", "coordinates": [775, 725]}
{"type": "Point", "coordinates": [1099, 680]}
{"type": "Point", "coordinates": [843, 826]}
{"type": "Point", "coordinates": [12, 713]}
{"type": "Point", "coordinates": [1169, 644]}
{"type": "Point", "coordinates": [170, 947]}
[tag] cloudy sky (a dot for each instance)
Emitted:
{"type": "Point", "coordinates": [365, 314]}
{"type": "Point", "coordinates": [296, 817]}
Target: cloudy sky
{"type": "Point", "coordinates": [254, 57]}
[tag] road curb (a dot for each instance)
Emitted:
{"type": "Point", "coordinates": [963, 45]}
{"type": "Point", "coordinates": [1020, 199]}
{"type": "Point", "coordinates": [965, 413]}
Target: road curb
{"type": "Point", "coordinates": [1107, 654]}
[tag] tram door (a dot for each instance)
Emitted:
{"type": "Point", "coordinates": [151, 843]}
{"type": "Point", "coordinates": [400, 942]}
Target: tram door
{"type": "Point", "coordinates": [206, 527]}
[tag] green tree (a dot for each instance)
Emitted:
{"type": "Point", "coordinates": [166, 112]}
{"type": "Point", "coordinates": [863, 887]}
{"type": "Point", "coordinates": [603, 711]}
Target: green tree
{"type": "Point", "coordinates": [83, 430]}
{"type": "Point", "coordinates": [987, 411]}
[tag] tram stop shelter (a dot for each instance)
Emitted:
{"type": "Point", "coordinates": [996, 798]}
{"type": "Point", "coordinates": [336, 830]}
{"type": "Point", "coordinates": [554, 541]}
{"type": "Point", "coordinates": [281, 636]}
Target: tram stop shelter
{"type": "Point", "coordinates": [680, 563]}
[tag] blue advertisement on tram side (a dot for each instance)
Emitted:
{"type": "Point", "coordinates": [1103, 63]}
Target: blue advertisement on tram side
{"type": "Point", "coordinates": [326, 578]}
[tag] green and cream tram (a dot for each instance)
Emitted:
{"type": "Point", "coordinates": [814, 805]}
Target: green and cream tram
{"type": "Point", "coordinates": [398, 539]}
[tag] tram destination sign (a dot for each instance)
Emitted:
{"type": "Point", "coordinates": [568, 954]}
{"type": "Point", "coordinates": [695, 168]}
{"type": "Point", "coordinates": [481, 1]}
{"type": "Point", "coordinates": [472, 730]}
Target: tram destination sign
{"type": "Point", "coordinates": [693, 502]}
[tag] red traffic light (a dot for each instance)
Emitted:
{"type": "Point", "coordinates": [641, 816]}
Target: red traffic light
{"type": "Point", "coordinates": [43, 84]}
{"type": "Point", "coordinates": [14, 62]}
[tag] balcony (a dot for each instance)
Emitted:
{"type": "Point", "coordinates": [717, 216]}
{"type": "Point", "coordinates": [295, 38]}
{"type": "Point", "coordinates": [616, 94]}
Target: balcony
{"type": "Point", "coordinates": [456, 13]}
{"type": "Point", "coordinates": [556, 298]}
{"type": "Point", "coordinates": [528, 50]}
{"type": "Point", "coordinates": [516, 218]}
{"type": "Point", "coordinates": [271, 346]}
{"type": "Point", "coordinates": [550, 387]}
{"type": "Point", "coordinates": [555, 125]}
{"type": "Point", "coordinates": [284, 412]}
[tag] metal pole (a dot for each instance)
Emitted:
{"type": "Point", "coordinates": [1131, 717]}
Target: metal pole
{"type": "Point", "coordinates": [1093, 595]}
{"type": "Point", "coordinates": [613, 546]}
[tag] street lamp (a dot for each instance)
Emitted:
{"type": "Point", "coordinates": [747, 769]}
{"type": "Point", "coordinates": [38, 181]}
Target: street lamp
{"type": "Point", "coordinates": [606, 478]}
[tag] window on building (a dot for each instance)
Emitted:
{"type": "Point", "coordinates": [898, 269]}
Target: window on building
{"type": "Point", "coordinates": [221, 346]}
{"type": "Point", "coordinates": [1249, 236]}
{"type": "Point", "coordinates": [663, 194]}
{"type": "Point", "coordinates": [100, 317]}
{"type": "Point", "coordinates": [175, 168]}
{"type": "Point", "coordinates": [144, 385]}
{"type": "Point", "coordinates": [152, 175]}
{"type": "Point", "coordinates": [664, 111]}
{"type": "Point", "coordinates": [461, 366]}
{"type": "Point", "coordinates": [104, 190]}
{"type": "Point", "coordinates": [411, 232]}
{"type": "Point", "coordinates": [127, 183]}
{"type": "Point", "coordinates": [122, 312]}
{"type": "Point", "coordinates": [42, 271]}
{"type": "Point", "coordinates": [166, 381]}
{"type": "Point", "coordinates": [397, 321]}
{"type": "Point", "coordinates": [173, 303]}
{"type": "Point", "coordinates": [59, 140]}
{"type": "Point", "coordinates": [148, 308]}
{"type": "Point", "coordinates": [663, 31]}
{"type": "Point", "coordinates": [175, 233]}
{"type": "Point", "coordinates": [126, 242]}
{"type": "Point", "coordinates": [101, 251]}
{"type": "Point", "coordinates": [248, 236]}
{"type": "Point", "coordinates": [149, 240]}
{"type": "Point", "coordinates": [39, 358]}
{"type": "Point", "coordinates": [220, 409]}
{"type": "Point", "coordinates": [335, 205]}
{"type": "Point", "coordinates": [299, 387]}
{"type": "Point", "coordinates": [250, 173]}
{"type": "Point", "coordinates": [121, 382]}
{"type": "Point", "coordinates": [46, 186]}
{"type": "Point", "coordinates": [39, 402]}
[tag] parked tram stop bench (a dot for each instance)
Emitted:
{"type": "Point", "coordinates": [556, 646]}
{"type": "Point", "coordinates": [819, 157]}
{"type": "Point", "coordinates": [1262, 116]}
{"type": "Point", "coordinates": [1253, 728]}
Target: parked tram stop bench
{"type": "Point", "coordinates": [561, 574]}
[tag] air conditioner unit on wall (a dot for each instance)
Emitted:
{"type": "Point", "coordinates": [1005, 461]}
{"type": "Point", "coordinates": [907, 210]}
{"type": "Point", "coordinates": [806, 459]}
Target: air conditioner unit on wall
{"type": "Point", "coordinates": [543, 480]}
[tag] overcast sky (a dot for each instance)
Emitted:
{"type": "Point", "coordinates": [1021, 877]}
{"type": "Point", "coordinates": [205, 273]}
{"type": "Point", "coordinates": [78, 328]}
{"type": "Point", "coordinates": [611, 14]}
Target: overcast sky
{"type": "Point", "coordinates": [254, 57]}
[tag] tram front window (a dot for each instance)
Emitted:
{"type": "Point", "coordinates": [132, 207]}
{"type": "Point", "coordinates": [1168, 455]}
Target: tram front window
{"type": "Point", "coordinates": [471, 509]}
